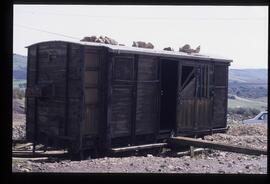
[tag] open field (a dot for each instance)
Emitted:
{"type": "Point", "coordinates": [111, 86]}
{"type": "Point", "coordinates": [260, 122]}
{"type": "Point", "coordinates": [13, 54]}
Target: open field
{"type": "Point", "coordinates": [260, 103]}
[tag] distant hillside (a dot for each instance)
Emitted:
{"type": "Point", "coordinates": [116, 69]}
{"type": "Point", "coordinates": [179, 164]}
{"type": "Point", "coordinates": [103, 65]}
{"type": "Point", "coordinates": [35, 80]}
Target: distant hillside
{"type": "Point", "coordinates": [19, 67]}
{"type": "Point", "coordinates": [248, 75]}
{"type": "Point", "coordinates": [248, 83]}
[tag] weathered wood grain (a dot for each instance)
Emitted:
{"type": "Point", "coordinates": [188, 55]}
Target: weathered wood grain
{"type": "Point", "coordinates": [140, 147]}
{"type": "Point", "coordinates": [215, 145]}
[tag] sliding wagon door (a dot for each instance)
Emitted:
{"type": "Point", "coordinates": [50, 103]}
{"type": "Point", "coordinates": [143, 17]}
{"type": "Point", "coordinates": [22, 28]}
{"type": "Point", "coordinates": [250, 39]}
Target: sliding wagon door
{"type": "Point", "coordinates": [186, 93]}
{"type": "Point", "coordinates": [134, 97]}
{"type": "Point", "coordinates": [194, 101]}
{"type": "Point", "coordinates": [204, 98]}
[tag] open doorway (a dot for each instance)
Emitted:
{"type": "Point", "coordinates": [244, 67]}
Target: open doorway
{"type": "Point", "coordinates": [169, 76]}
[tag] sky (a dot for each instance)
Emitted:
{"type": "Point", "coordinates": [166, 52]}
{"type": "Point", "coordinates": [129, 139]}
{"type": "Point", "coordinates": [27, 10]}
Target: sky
{"type": "Point", "coordinates": [239, 33]}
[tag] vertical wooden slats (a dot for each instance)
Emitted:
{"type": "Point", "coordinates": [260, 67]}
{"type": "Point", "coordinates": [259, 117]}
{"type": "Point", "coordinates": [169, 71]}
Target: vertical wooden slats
{"type": "Point", "coordinates": [121, 117]}
{"type": "Point", "coordinates": [123, 98]}
{"type": "Point", "coordinates": [134, 102]}
{"type": "Point", "coordinates": [134, 97]}
{"type": "Point", "coordinates": [198, 119]}
{"type": "Point", "coordinates": [91, 120]}
{"type": "Point", "coordinates": [186, 102]}
{"type": "Point", "coordinates": [147, 94]}
{"type": "Point", "coordinates": [67, 92]}
{"type": "Point", "coordinates": [35, 133]}
{"type": "Point", "coordinates": [158, 105]}
{"type": "Point", "coordinates": [105, 76]}
{"type": "Point", "coordinates": [52, 68]}
{"type": "Point", "coordinates": [220, 95]}
{"type": "Point", "coordinates": [146, 115]}
{"type": "Point", "coordinates": [106, 132]}
{"type": "Point", "coordinates": [92, 84]}
{"type": "Point", "coordinates": [55, 70]}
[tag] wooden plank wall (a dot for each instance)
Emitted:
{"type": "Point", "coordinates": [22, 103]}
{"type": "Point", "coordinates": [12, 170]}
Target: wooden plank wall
{"type": "Point", "coordinates": [135, 96]}
{"type": "Point", "coordinates": [56, 68]}
{"type": "Point", "coordinates": [148, 93]}
{"type": "Point", "coordinates": [123, 91]}
{"type": "Point", "coordinates": [121, 117]}
{"type": "Point", "coordinates": [185, 117]}
{"type": "Point", "coordinates": [92, 86]}
{"type": "Point", "coordinates": [195, 101]}
{"type": "Point", "coordinates": [220, 96]}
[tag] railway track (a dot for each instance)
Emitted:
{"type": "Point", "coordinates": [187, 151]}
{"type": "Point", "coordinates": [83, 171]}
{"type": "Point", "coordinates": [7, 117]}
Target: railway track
{"type": "Point", "coordinates": [24, 150]}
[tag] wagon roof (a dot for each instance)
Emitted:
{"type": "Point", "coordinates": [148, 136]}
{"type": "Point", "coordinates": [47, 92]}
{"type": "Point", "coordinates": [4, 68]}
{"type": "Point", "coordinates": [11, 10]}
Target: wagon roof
{"type": "Point", "coordinates": [133, 50]}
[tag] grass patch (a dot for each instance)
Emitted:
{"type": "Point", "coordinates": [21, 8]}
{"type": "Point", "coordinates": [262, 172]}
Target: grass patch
{"type": "Point", "coordinates": [260, 103]}
{"type": "Point", "coordinates": [246, 112]}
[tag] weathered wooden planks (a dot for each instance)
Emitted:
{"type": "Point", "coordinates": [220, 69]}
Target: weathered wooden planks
{"type": "Point", "coordinates": [29, 158]}
{"type": "Point", "coordinates": [121, 110]}
{"type": "Point", "coordinates": [105, 94]}
{"type": "Point", "coordinates": [23, 145]}
{"type": "Point", "coordinates": [146, 108]}
{"type": "Point", "coordinates": [56, 69]}
{"type": "Point", "coordinates": [38, 153]}
{"type": "Point", "coordinates": [214, 145]}
{"type": "Point", "coordinates": [220, 96]}
{"type": "Point", "coordinates": [147, 95]}
{"type": "Point", "coordinates": [140, 147]}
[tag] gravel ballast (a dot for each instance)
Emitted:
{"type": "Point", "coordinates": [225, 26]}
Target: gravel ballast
{"type": "Point", "coordinates": [211, 161]}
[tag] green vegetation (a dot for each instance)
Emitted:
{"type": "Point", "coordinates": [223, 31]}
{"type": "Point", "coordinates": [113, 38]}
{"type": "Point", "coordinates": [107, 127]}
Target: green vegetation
{"type": "Point", "coordinates": [247, 90]}
{"type": "Point", "coordinates": [262, 99]}
{"type": "Point", "coordinates": [260, 103]}
{"type": "Point", "coordinates": [243, 111]}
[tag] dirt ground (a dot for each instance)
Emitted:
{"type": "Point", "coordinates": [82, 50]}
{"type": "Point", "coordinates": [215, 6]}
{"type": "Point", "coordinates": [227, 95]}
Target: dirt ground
{"type": "Point", "coordinates": [18, 119]}
{"type": "Point", "coordinates": [208, 161]}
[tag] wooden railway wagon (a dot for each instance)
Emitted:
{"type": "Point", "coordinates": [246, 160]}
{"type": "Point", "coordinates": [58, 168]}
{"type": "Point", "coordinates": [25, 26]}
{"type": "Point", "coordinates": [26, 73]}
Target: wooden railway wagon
{"type": "Point", "coordinates": [83, 95]}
